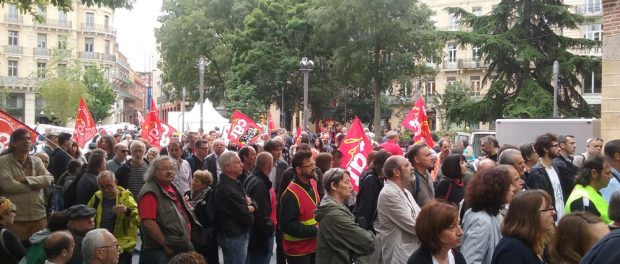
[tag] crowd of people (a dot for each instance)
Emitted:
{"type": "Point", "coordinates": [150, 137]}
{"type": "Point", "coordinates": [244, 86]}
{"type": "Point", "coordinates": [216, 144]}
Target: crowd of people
{"type": "Point", "coordinates": [198, 197]}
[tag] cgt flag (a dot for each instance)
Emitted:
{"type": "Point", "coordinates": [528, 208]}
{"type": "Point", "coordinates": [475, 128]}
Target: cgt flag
{"type": "Point", "coordinates": [418, 123]}
{"type": "Point", "coordinates": [355, 147]}
{"type": "Point", "coordinates": [85, 128]}
{"type": "Point", "coordinates": [271, 124]}
{"type": "Point", "coordinates": [152, 129]}
{"type": "Point", "coordinates": [243, 130]}
{"type": "Point", "coordinates": [166, 134]}
{"type": "Point", "coordinates": [8, 124]}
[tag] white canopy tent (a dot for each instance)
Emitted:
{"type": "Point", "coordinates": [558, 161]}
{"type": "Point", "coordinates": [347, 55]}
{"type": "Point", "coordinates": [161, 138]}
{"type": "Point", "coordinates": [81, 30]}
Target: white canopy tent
{"type": "Point", "coordinates": [211, 118]}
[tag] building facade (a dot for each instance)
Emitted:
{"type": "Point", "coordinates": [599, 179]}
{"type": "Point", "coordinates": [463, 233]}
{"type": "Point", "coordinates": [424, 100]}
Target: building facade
{"type": "Point", "coordinates": [31, 47]}
{"type": "Point", "coordinates": [464, 64]}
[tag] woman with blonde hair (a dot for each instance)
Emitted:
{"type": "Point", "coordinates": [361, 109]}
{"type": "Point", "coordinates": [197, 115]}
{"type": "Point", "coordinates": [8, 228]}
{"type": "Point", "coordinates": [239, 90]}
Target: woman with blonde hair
{"type": "Point", "coordinates": [11, 249]}
{"type": "Point", "coordinates": [527, 227]}
{"type": "Point", "coordinates": [576, 233]}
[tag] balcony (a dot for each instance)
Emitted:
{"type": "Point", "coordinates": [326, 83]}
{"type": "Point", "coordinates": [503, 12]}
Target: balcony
{"type": "Point", "coordinates": [589, 9]}
{"type": "Point", "coordinates": [13, 19]}
{"type": "Point", "coordinates": [108, 57]}
{"type": "Point", "coordinates": [595, 50]}
{"type": "Point", "coordinates": [89, 55]}
{"type": "Point", "coordinates": [13, 50]}
{"type": "Point", "coordinates": [123, 64]}
{"type": "Point", "coordinates": [43, 52]}
{"type": "Point", "coordinates": [97, 28]}
{"type": "Point", "coordinates": [64, 53]}
{"type": "Point", "coordinates": [11, 81]}
{"type": "Point", "coordinates": [451, 65]}
{"type": "Point", "coordinates": [592, 98]}
{"type": "Point", "coordinates": [122, 78]}
{"type": "Point", "coordinates": [53, 23]}
{"type": "Point", "coordinates": [473, 63]}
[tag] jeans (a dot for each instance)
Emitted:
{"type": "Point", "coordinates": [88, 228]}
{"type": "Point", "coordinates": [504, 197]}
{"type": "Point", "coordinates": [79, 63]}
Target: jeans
{"type": "Point", "coordinates": [157, 256]}
{"type": "Point", "coordinates": [234, 249]}
{"type": "Point", "coordinates": [255, 258]}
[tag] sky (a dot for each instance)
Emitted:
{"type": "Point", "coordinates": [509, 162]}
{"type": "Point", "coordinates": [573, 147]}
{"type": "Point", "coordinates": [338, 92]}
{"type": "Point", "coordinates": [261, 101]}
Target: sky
{"type": "Point", "coordinates": [135, 33]}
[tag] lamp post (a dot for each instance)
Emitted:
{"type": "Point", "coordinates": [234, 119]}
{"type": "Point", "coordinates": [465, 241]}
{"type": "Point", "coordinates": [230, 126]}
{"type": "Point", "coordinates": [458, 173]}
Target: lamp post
{"type": "Point", "coordinates": [556, 72]}
{"type": "Point", "coordinates": [201, 70]}
{"type": "Point", "coordinates": [183, 112]}
{"type": "Point", "coordinates": [282, 115]}
{"type": "Point", "coordinates": [305, 66]}
{"type": "Point", "coordinates": [95, 85]}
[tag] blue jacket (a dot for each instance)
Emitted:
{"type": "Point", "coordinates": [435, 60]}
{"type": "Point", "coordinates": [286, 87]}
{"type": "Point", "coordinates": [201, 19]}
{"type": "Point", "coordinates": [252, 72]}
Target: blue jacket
{"type": "Point", "coordinates": [605, 251]}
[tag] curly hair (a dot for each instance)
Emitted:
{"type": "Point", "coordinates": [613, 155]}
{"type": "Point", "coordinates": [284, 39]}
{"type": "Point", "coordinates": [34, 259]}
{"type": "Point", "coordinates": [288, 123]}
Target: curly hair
{"type": "Point", "coordinates": [487, 190]}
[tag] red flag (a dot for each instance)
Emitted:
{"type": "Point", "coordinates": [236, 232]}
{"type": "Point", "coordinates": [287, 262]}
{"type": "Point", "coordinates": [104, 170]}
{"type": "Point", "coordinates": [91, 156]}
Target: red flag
{"type": "Point", "coordinates": [298, 133]}
{"type": "Point", "coordinates": [166, 134]}
{"type": "Point", "coordinates": [272, 125]}
{"type": "Point", "coordinates": [243, 130]}
{"type": "Point", "coordinates": [85, 127]}
{"type": "Point", "coordinates": [8, 124]}
{"type": "Point", "coordinates": [418, 123]}
{"type": "Point", "coordinates": [355, 147]}
{"type": "Point", "coordinates": [152, 128]}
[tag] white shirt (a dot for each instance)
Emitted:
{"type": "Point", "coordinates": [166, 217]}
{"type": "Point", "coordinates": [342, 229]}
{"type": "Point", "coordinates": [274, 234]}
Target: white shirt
{"type": "Point", "coordinates": [450, 258]}
{"type": "Point", "coordinates": [184, 177]}
{"type": "Point", "coordinates": [557, 190]}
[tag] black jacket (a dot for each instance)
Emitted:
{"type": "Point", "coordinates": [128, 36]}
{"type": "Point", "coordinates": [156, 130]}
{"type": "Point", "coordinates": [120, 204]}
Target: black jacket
{"type": "Point", "coordinates": [289, 213]}
{"type": "Point", "coordinates": [58, 163]}
{"type": "Point", "coordinates": [233, 216]}
{"type": "Point", "coordinates": [211, 166]}
{"type": "Point", "coordinates": [513, 250]}
{"type": "Point", "coordinates": [566, 172]}
{"type": "Point", "coordinates": [537, 178]}
{"type": "Point", "coordinates": [257, 187]}
{"type": "Point", "coordinates": [366, 200]}
{"type": "Point", "coordinates": [423, 256]}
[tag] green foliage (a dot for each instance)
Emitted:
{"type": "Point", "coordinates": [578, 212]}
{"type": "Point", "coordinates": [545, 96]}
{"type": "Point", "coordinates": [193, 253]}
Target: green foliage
{"type": "Point", "coordinates": [455, 104]}
{"type": "Point", "coordinates": [519, 40]}
{"type": "Point", "coordinates": [62, 97]}
{"type": "Point", "coordinates": [101, 99]}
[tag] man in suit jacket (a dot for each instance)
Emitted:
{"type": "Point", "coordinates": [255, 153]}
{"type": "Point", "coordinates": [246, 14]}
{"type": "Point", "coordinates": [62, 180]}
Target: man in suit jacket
{"type": "Point", "coordinates": [213, 165]}
{"type": "Point", "coordinates": [397, 212]}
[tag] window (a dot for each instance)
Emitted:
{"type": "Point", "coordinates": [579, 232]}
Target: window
{"type": "Point", "coordinates": [107, 47]}
{"type": "Point", "coordinates": [89, 44]}
{"type": "Point", "coordinates": [452, 53]}
{"type": "Point", "coordinates": [593, 6]}
{"type": "Point", "coordinates": [62, 18]}
{"type": "Point", "coordinates": [13, 38]}
{"type": "Point", "coordinates": [475, 85]}
{"type": "Point", "coordinates": [451, 81]}
{"type": "Point", "coordinates": [13, 12]}
{"type": "Point", "coordinates": [42, 11]}
{"type": "Point", "coordinates": [476, 10]}
{"type": "Point", "coordinates": [41, 41]}
{"type": "Point", "coordinates": [90, 21]}
{"type": "Point", "coordinates": [475, 53]}
{"type": "Point", "coordinates": [13, 68]}
{"type": "Point", "coordinates": [594, 32]}
{"type": "Point", "coordinates": [453, 24]}
{"type": "Point", "coordinates": [62, 42]}
{"type": "Point", "coordinates": [41, 69]}
{"type": "Point", "coordinates": [592, 83]}
{"type": "Point", "coordinates": [106, 22]}
{"type": "Point", "coordinates": [429, 89]}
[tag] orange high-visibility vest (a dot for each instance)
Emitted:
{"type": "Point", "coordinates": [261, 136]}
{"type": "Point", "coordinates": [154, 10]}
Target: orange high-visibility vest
{"type": "Point", "coordinates": [295, 246]}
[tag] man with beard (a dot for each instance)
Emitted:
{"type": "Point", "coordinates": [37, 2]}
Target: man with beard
{"type": "Point", "coordinates": [544, 176]}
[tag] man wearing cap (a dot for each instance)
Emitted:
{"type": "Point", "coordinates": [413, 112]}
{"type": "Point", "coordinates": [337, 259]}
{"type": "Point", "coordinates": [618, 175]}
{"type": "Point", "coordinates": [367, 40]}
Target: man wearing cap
{"type": "Point", "coordinates": [80, 222]}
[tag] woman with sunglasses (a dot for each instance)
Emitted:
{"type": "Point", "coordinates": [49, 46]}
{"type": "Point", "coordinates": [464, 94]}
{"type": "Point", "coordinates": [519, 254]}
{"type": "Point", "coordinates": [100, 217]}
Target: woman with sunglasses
{"type": "Point", "coordinates": [339, 238]}
{"type": "Point", "coordinates": [11, 249]}
{"type": "Point", "coordinates": [527, 228]}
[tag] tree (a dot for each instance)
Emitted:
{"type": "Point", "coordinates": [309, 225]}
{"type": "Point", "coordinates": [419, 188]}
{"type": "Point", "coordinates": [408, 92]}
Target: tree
{"type": "Point", "coordinates": [520, 41]}
{"type": "Point", "coordinates": [100, 99]}
{"type": "Point", "coordinates": [454, 103]}
{"type": "Point", "coordinates": [62, 98]}
{"type": "Point", "coordinates": [30, 6]}
{"type": "Point", "coordinates": [194, 28]}
{"type": "Point", "coordinates": [370, 44]}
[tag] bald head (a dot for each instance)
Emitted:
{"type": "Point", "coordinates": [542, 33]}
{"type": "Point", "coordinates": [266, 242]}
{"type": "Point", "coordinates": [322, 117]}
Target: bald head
{"type": "Point", "coordinates": [58, 246]}
{"type": "Point", "coordinates": [486, 164]}
{"type": "Point", "coordinates": [264, 162]}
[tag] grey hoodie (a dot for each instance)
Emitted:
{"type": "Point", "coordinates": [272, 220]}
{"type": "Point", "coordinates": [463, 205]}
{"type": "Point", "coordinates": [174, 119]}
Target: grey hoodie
{"type": "Point", "coordinates": [339, 237]}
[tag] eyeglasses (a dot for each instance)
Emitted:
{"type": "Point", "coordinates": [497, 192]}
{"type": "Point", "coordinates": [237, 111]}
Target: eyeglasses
{"type": "Point", "coordinates": [548, 209]}
{"type": "Point", "coordinates": [116, 245]}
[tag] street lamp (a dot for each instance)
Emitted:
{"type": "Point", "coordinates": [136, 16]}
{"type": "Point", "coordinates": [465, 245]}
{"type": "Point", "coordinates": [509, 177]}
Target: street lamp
{"type": "Point", "coordinates": [95, 85]}
{"type": "Point", "coordinates": [201, 70]}
{"type": "Point", "coordinates": [183, 112]}
{"type": "Point", "coordinates": [305, 66]}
